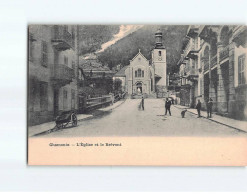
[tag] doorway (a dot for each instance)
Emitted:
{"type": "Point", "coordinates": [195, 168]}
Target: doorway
{"type": "Point", "coordinates": [139, 88]}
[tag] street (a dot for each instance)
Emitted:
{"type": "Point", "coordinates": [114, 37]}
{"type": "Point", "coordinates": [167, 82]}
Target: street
{"type": "Point", "coordinates": [128, 120]}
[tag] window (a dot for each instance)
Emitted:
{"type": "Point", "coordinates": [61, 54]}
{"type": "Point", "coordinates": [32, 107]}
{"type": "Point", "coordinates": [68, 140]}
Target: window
{"type": "Point", "coordinates": [66, 60]}
{"type": "Point", "coordinates": [159, 53]}
{"type": "Point", "coordinates": [241, 69]}
{"type": "Point", "coordinates": [65, 97]}
{"type": "Point", "coordinates": [66, 28]}
{"type": "Point", "coordinates": [72, 99]}
{"type": "Point", "coordinates": [139, 73]}
{"type": "Point", "coordinates": [44, 54]}
{"type": "Point", "coordinates": [79, 74]}
{"type": "Point", "coordinates": [73, 64]}
{"type": "Point", "coordinates": [73, 37]}
{"type": "Point", "coordinates": [31, 47]}
{"type": "Point", "coordinates": [43, 96]}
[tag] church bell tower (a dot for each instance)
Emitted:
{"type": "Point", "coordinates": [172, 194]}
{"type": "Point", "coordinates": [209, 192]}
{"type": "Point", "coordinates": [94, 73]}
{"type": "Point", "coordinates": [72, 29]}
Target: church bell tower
{"type": "Point", "coordinates": [159, 63]}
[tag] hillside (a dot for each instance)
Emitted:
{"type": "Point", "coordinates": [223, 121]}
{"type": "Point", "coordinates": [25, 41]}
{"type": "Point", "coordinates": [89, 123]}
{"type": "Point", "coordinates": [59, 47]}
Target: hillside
{"type": "Point", "coordinates": [144, 39]}
{"type": "Point", "coordinates": [93, 36]}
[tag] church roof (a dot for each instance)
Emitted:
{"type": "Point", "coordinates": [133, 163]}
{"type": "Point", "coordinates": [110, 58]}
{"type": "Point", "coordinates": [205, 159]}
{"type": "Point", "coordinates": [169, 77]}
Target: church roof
{"type": "Point", "coordinates": [139, 53]}
{"type": "Point", "coordinates": [121, 72]}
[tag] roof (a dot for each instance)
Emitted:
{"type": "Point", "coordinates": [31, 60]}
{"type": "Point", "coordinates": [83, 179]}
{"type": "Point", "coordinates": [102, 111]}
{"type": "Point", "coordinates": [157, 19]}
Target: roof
{"type": "Point", "coordinates": [139, 53]}
{"type": "Point", "coordinates": [121, 72]}
{"type": "Point", "coordinates": [94, 65]}
{"type": "Point", "coordinates": [157, 76]}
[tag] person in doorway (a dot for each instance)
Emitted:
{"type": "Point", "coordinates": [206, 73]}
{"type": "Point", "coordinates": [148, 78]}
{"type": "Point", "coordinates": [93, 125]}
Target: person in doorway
{"type": "Point", "coordinates": [142, 103]}
{"type": "Point", "coordinates": [209, 108]}
{"type": "Point", "coordinates": [198, 107]}
{"type": "Point", "coordinates": [168, 106]}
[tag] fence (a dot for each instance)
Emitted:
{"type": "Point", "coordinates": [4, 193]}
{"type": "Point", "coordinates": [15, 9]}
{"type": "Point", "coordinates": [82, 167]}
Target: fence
{"type": "Point", "coordinates": [98, 102]}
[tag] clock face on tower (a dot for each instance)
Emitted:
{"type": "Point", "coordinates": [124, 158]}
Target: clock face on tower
{"type": "Point", "coordinates": [159, 58]}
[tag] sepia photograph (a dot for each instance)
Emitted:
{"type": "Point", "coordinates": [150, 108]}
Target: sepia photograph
{"type": "Point", "coordinates": [123, 96]}
{"type": "Point", "coordinates": [88, 81]}
{"type": "Point", "coordinates": [137, 80]}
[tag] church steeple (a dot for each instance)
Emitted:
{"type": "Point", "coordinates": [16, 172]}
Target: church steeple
{"type": "Point", "coordinates": [158, 40]}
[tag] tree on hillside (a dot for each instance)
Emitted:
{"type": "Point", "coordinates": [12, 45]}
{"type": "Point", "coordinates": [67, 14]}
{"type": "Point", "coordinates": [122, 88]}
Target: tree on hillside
{"type": "Point", "coordinates": [144, 39]}
{"type": "Point", "coordinates": [91, 37]}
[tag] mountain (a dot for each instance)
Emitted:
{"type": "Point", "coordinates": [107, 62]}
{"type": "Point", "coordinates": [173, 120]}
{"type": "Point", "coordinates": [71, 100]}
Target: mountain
{"type": "Point", "coordinates": [144, 38]}
{"type": "Point", "coordinates": [93, 36]}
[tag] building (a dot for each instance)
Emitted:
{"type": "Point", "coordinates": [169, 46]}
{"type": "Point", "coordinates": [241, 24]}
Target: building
{"type": "Point", "coordinates": [159, 65]}
{"type": "Point", "coordinates": [98, 77]}
{"type": "Point", "coordinates": [142, 76]}
{"type": "Point", "coordinates": [53, 65]}
{"type": "Point", "coordinates": [121, 76]}
{"type": "Point", "coordinates": [213, 65]}
{"type": "Point", "coordinates": [139, 76]}
{"type": "Point", "coordinates": [189, 72]}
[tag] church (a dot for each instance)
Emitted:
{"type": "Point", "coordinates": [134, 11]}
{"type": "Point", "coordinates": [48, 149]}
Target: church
{"type": "Point", "coordinates": [142, 76]}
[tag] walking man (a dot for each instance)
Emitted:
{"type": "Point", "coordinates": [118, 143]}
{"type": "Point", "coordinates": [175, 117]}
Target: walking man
{"type": "Point", "coordinates": [198, 107]}
{"type": "Point", "coordinates": [142, 103]}
{"type": "Point", "coordinates": [168, 106]}
{"type": "Point", "coordinates": [209, 108]}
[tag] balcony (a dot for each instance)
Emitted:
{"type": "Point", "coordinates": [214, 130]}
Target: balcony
{"type": "Point", "coordinates": [192, 74]}
{"type": "Point", "coordinates": [214, 61]}
{"type": "Point", "coordinates": [224, 53]}
{"type": "Point", "coordinates": [61, 74]}
{"type": "Point", "coordinates": [190, 50]}
{"type": "Point", "coordinates": [206, 66]}
{"type": "Point", "coordinates": [193, 30]}
{"type": "Point", "coordinates": [61, 39]}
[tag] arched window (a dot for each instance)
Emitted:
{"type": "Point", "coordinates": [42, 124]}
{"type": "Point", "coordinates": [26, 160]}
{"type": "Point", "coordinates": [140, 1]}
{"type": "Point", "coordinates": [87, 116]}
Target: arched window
{"type": "Point", "coordinates": [224, 35]}
{"type": "Point", "coordinates": [159, 53]}
{"type": "Point", "coordinates": [139, 73]}
{"type": "Point", "coordinates": [206, 53]}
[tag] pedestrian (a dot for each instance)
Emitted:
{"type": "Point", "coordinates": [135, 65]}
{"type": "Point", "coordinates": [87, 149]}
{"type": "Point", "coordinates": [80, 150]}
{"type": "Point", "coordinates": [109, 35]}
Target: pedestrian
{"type": "Point", "coordinates": [209, 108]}
{"type": "Point", "coordinates": [142, 103]}
{"type": "Point", "coordinates": [168, 106]}
{"type": "Point", "coordinates": [198, 107]}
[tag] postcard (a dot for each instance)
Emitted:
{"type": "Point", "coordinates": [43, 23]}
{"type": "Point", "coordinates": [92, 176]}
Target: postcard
{"type": "Point", "coordinates": [145, 95]}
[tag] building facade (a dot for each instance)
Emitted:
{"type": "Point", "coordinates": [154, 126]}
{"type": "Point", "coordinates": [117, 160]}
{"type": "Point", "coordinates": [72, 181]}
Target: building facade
{"type": "Point", "coordinates": [139, 76]}
{"type": "Point", "coordinates": [53, 71]}
{"type": "Point", "coordinates": [142, 76]}
{"type": "Point", "coordinates": [213, 65]}
{"type": "Point", "coordinates": [158, 62]}
{"type": "Point", "coordinates": [121, 77]}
